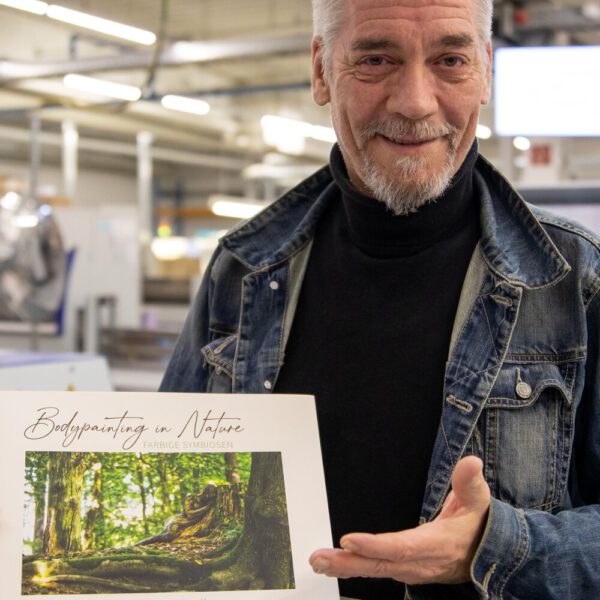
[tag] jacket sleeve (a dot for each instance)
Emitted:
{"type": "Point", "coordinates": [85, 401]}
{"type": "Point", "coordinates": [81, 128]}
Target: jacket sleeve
{"type": "Point", "coordinates": [186, 371]}
{"type": "Point", "coordinates": [535, 555]}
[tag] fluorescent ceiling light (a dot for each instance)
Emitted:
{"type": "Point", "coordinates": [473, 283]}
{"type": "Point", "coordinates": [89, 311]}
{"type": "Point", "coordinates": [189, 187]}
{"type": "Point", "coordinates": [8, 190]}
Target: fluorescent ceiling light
{"type": "Point", "coordinates": [26, 220]}
{"type": "Point", "coordinates": [323, 134]}
{"type": "Point", "coordinates": [483, 132]}
{"type": "Point", "coordinates": [521, 143]}
{"type": "Point", "coordinates": [32, 6]}
{"type": "Point", "coordinates": [282, 127]}
{"type": "Point", "coordinates": [234, 207]}
{"type": "Point", "coordinates": [101, 87]}
{"type": "Point", "coordinates": [10, 201]}
{"type": "Point", "coordinates": [169, 248]}
{"type": "Point", "coordinates": [185, 104]}
{"type": "Point", "coordinates": [112, 28]}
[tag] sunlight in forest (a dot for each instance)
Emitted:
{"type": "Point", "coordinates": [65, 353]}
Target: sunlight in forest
{"type": "Point", "coordinates": [43, 572]}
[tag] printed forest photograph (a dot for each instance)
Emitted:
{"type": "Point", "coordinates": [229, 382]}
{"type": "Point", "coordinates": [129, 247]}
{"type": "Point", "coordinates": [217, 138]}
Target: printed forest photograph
{"type": "Point", "coordinates": [124, 522]}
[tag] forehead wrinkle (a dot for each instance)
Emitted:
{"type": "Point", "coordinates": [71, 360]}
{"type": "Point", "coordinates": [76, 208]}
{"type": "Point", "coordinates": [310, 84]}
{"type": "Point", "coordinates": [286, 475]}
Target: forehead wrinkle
{"type": "Point", "coordinates": [407, 10]}
{"type": "Point", "coordinates": [403, 4]}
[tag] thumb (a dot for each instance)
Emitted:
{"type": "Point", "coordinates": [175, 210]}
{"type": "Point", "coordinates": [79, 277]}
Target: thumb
{"type": "Point", "coordinates": [469, 487]}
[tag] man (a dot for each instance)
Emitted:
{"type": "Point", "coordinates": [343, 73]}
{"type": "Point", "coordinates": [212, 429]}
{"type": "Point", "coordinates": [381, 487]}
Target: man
{"type": "Point", "coordinates": [449, 333]}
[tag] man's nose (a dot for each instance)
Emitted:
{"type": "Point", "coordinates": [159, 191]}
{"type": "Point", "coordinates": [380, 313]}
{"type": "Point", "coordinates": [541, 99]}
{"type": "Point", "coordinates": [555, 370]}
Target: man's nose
{"type": "Point", "coordinates": [412, 93]}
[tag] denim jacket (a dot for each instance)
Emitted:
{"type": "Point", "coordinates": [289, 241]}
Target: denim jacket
{"type": "Point", "coordinates": [521, 381]}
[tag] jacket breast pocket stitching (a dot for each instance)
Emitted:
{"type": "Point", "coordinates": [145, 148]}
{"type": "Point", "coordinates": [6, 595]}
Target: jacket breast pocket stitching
{"type": "Point", "coordinates": [553, 395]}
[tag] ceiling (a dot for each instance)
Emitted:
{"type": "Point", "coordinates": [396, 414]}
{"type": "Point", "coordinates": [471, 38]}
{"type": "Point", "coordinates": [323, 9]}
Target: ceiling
{"type": "Point", "coordinates": [259, 64]}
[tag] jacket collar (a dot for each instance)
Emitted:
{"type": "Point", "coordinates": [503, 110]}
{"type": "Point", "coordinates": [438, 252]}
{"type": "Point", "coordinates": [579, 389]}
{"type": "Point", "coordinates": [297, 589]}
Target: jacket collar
{"type": "Point", "coordinates": [284, 227]}
{"type": "Point", "coordinates": [513, 242]}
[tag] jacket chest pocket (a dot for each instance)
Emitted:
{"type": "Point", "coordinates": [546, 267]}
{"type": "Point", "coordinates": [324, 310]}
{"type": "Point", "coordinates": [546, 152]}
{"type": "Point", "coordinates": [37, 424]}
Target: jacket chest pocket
{"type": "Point", "coordinates": [526, 431]}
{"type": "Point", "coordinates": [219, 358]}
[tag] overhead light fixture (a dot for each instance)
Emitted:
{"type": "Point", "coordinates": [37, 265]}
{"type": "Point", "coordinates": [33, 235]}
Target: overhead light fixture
{"type": "Point", "coordinates": [112, 28]}
{"type": "Point", "coordinates": [234, 206]}
{"type": "Point", "coordinates": [483, 132]}
{"type": "Point", "coordinates": [120, 91]}
{"type": "Point", "coordinates": [10, 201]}
{"type": "Point", "coordinates": [169, 248]}
{"type": "Point", "coordinates": [522, 143]}
{"type": "Point", "coordinates": [80, 19]}
{"type": "Point", "coordinates": [277, 129]}
{"type": "Point", "coordinates": [26, 220]}
{"type": "Point", "coordinates": [32, 6]}
{"type": "Point", "coordinates": [591, 10]}
{"type": "Point", "coordinates": [185, 104]}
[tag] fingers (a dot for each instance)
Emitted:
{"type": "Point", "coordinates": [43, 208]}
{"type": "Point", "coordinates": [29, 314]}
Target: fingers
{"type": "Point", "coordinates": [401, 555]}
{"type": "Point", "coordinates": [411, 544]}
{"type": "Point", "coordinates": [344, 564]}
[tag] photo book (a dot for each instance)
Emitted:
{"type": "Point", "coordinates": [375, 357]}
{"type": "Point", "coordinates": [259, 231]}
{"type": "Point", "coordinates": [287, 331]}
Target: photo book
{"type": "Point", "coordinates": [147, 495]}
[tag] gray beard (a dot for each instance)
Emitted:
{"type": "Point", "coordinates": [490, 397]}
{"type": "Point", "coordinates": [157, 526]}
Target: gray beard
{"type": "Point", "coordinates": [405, 194]}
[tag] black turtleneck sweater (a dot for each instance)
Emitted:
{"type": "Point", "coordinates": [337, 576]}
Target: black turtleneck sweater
{"type": "Point", "coordinates": [370, 340]}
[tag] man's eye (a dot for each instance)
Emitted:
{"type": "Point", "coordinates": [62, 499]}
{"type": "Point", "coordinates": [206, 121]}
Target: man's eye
{"type": "Point", "coordinates": [374, 61]}
{"type": "Point", "coordinates": [452, 61]}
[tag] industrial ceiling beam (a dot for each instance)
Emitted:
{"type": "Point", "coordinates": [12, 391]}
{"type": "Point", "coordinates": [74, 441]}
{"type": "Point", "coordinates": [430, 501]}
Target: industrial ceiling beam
{"type": "Point", "coordinates": [179, 53]}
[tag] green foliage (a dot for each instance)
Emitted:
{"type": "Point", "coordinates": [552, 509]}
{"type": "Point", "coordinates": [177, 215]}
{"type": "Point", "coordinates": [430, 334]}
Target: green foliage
{"type": "Point", "coordinates": [127, 495]}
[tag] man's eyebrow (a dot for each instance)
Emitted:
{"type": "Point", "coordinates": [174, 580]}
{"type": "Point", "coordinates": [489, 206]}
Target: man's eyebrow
{"type": "Point", "coordinates": [453, 40]}
{"type": "Point", "coordinates": [373, 44]}
{"type": "Point", "coordinates": [456, 40]}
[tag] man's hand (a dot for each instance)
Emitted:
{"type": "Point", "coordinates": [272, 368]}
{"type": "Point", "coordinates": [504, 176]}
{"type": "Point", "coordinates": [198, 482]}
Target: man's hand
{"type": "Point", "coordinates": [437, 552]}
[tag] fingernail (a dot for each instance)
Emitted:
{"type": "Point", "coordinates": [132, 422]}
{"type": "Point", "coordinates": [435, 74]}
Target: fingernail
{"type": "Point", "coordinates": [321, 565]}
{"type": "Point", "coordinates": [348, 545]}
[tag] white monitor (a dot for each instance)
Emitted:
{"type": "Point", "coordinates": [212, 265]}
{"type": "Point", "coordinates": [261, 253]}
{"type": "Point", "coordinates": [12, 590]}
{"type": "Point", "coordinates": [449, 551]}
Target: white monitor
{"type": "Point", "coordinates": [547, 91]}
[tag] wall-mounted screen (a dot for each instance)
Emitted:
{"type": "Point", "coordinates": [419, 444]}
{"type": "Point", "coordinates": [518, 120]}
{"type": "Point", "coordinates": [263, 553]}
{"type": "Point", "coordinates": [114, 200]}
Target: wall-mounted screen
{"type": "Point", "coordinates": [547, 91]}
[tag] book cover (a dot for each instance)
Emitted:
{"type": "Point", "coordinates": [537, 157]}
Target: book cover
{"type": "Point", "coordinates": [195, 496]}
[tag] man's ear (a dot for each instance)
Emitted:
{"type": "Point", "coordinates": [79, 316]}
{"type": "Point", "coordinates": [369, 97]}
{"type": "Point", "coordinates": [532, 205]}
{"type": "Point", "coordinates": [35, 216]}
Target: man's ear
{"type": "Point", "coordinates": [487, 86]}
{"type": "Point", "coordinates": [320, 87]}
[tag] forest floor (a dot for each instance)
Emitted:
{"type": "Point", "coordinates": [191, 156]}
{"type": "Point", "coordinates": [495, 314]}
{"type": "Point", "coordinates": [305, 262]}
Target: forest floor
{"type": "Point", "coordinates": [130, 569]}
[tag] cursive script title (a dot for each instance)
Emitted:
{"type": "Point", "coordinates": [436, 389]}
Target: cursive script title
{"type": "Point", "coordinates": [126, 428]}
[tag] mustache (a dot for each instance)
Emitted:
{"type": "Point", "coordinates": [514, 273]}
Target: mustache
{"type": "Point", "coordinates": [402, 129]}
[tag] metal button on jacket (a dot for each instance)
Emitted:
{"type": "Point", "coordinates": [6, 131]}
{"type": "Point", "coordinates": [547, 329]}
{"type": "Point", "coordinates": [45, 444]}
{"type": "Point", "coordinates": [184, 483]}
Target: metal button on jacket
{"type": "Point", "coordinates": [523, 390]}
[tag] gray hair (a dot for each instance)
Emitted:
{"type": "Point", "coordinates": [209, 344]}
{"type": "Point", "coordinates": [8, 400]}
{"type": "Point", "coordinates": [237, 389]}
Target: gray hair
{"type": "Point", "coordinates": [328, 20]}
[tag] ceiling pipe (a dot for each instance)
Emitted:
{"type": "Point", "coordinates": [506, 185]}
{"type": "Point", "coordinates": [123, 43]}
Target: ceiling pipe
{"type": "Point", "coordinates": [191, 158]}
{"type": "Point", "coordinates": [179, 53]}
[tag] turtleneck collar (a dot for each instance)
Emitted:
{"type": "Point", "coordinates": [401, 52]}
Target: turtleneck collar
{"type": "Point", "coordinates": [380, 233]}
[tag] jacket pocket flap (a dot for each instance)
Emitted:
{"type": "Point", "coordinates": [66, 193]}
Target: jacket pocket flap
{"type": "Point", "coordinates": [520, 385]}
{"type": "Point", "coordinates": [220, 353]}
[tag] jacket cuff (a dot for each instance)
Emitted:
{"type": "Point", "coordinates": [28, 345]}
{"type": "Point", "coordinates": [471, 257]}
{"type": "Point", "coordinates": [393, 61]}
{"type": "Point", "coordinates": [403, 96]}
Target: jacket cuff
{"type": "Point", "coordinates": [502, 550]}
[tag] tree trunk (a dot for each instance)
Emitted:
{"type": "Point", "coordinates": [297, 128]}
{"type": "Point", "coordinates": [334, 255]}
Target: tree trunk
{"type": "Point", "coordinates": [65, 489]}
{"type": "Point", "coordinates": [95, 513]}
{"type": "Point", "coordinates": [232, 470]}
{"type": "Point", "coordinates": [139, 471]}
{"type": "Point", "coordinates": [39, 498]}
{"type": "Point", "coordinates": [164, 487]}
{"type": "Point", "coordinates": [262, 558]}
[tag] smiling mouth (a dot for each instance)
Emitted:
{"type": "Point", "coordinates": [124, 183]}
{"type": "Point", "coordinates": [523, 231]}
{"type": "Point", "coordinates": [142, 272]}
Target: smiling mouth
{"type": "Point", "coordinates": [408, 142]}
